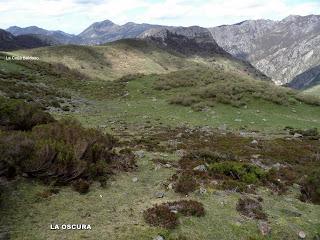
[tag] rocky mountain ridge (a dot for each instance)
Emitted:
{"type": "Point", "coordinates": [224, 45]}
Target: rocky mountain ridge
{"type": "Point", "coordinates": [281, 49]}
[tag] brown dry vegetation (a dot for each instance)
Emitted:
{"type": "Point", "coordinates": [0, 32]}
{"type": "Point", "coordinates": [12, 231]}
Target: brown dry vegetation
{"type": "Point", "coordinates": [251, 208]}
{"type": "Point", "coordinates": [235, 163]}
{"type": "Point", "coordinates": [166, 214]}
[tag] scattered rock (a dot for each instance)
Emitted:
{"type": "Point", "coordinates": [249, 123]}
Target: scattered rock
{"type": "Point", "coordinates": [223, 127]}
{"type": "Point", "coordinates": [254, 142]}
{"type": "Point", "coordinates": [139, 154]}
{"type": "Point", "coordinates": [134, 179]}
{"type": "Point", "coordinates": [276, 166]}
{"type": "Point", "coordinates": [256, 156]}
{"type": "Point", "coordinates": [264, 228]}
{"type": "Point", "coordinates": [181, 152]}
{"type": "Point", "coordinates": [159, 194]}
{"type": "Point", "coordinates": [238, 120]}
{"type": "Point", "coordinates": [297, 135]}
{"type": "Point", "coordinates": [200, 168]}
{"type": "Point", "coordinates": [159, 237]}
{"type": "Point", "coordinates": [168, 165]}
{"type": "Point", "coordinates": [202, 191]}
{"type": "Point", "coordinates": [179, 135]}
{"type": "Point", "coordinates": [302, 235]}
{"type": "Point", "coordinates": [170, 186]}
{"type": "Point", "coordinates": [157, 167]}
{"type": "Point", "coordinates": [173, 143]}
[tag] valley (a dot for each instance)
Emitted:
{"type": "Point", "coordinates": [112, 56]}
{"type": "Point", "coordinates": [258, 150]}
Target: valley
{"type": "Point", "coordinates": [162, 137]}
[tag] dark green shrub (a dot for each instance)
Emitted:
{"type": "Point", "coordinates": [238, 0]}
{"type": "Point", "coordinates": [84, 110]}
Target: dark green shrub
{"type": "Point", "coordinates": [310, 189]}
{"type": "Point", "coordinates": [61, 152]}
{"type": "Point", "coordinates": [17, 115]}
{"type": "Point", "coordinates": [238, 171]}
{"type": "Point", "coordinates": [210, 156]}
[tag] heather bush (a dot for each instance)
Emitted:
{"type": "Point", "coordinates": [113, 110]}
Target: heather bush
{"type": "Point", "coordinates": [17, 115]}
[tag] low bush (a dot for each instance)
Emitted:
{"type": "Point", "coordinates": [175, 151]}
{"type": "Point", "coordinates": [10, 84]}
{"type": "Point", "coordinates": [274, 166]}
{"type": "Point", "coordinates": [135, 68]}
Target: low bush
{"type": "Point", "coordinates": [210, 156]}
{"type": "Point", "coordinates": [62, 152]}
{"type": "Point", "coordinates": [187, 208]}
{"type": "Point", "coordinates": [251, 208]}
{"type": "Point", "coordinates": [81, 186]}
{"type": "Point", "coordinates": [185, 184]}
{"type": "Point", "coordinates": [161, 216]}
{"type": "Point", "coordinates": [17, 115]}
{"type": "Point", "coordinates": [244, 172]}
{"type": "Point", "coordinates": [310, 189]}
{"type": "Point", "coordinates": [166, 214]}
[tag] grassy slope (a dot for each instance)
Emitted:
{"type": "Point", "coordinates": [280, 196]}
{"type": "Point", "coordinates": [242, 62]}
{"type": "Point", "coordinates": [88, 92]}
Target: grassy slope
{"type": "Point", "coordinates": [117, 214]}
{"type": "Point", "coordinates": [314, 90]}
{"type": "Point", "coordinates": [113, 60]}
{"type": "Point", "coordinates": [143, 103]}
{"type": "Point", "coordinates": [137, 104]}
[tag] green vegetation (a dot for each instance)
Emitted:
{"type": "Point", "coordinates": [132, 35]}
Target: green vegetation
{"type": "Point", "coordinates": [241, 172]}
{"type": "Point", "coordinates": [164, 111]}
{"type": "Point", "coordinates": [57, 152]}
{"type": "Point", "coordinates": [17, 115]}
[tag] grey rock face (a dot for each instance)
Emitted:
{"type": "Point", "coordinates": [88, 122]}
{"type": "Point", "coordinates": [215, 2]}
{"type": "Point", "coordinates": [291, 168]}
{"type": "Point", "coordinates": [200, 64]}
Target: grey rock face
{"type": "Point", "coordinates": [185, 40]}
{"type": "Point", "coordinates": [280, 49]}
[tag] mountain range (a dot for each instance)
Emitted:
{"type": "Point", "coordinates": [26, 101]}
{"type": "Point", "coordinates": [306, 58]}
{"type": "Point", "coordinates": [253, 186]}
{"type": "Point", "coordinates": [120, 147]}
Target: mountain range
{"type": "Point", "coordinates": [10, 42]}
{"type": "Point", "coordinates": [287, 51]}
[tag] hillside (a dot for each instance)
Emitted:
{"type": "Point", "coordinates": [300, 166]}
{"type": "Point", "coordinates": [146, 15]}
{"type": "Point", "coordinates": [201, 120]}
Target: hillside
{"type": "Point", "coordinates": [113, 60]}
{"type": "Point", "coordinates": [107, 31]}
{"type": "Point", "coordinates": [9, 42]}
{"type": "Point", "coordinates": [280, 49]}
{"type": "Point", "coordinates": [59, 37]}
{"type": "Point", "coordinates": [307, 79]}
{"type": "Point", "coordinates": [173, 122]}
{"type": "Point", "coordinates": [163, 137]}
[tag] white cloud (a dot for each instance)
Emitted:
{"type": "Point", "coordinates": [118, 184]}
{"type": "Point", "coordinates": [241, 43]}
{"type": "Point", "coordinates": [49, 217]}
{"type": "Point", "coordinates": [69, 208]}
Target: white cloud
{"type": "Point", "coordinates": [74, 15]}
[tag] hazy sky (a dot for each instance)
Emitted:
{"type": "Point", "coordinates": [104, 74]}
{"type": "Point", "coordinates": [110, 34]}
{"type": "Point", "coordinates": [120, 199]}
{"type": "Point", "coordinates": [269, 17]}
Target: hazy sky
{"type": "Point", "coordinates": [73, 16]}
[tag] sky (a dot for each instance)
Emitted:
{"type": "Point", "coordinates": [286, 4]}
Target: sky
{"type": "Point", "coordinates": [73, 16]}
